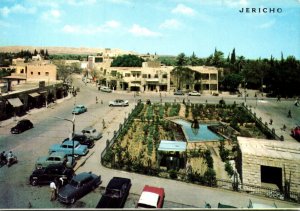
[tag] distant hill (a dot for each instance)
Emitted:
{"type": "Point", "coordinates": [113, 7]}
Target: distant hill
{"type": "Point", "coordinates": [61, 50]}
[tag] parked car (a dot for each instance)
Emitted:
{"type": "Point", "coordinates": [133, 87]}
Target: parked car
{"type": "Point", "coordinates": [55, 158]}
{"type": "Point", "coordinates": [83, 140]}
{"type": "Point", "coordinates": [80, 185]}
{"type": "Point", "coordinates": [118, 102]}
{"type": "Point", "coordinates": [151, 197]}
{"type": "Point", "coordinates": [21, 126]}
{"type": "Point", "coordinates": [91, 133]}
{"type": "Point", "coordinates": [194, 93]}
{"type": "Point", "coordinates": [179, 92]}
{"type": "Point", "coordinates": [115, 194]}
{"type": "Point", "coordinates": [51, 173]}
{"type": "Point", "coordinates": [67, 147]}
{"type": "Point", "coordinates": [78, 109]}
{"type": "Point", "coordinates": [296, 133]}
{"type": "Point", "coordinates": [105, 89]}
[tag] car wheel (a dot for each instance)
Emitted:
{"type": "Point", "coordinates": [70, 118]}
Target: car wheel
{"type": "Point", "coordinates": [34, 182]}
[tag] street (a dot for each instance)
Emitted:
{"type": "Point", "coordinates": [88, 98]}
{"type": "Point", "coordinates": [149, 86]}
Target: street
{"type": "Point", "coordinates": [16, 192]}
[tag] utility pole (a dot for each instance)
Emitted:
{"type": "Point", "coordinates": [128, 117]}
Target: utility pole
{"type": "Point", "coordinates": [73, 131]}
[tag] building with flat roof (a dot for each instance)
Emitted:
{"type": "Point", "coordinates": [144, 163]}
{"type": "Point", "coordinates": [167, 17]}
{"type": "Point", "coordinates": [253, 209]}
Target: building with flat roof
{"type": "Point", "coordinates": [263, 161]}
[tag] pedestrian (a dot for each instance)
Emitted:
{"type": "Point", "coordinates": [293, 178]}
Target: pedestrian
{"type": "Point", "coordinates": [284, 127]}
{"type": "Point", "coordinates": [96, 100]}
{"type": "Point", "coordinates": [53, 190]}
{"type": "Point", "coordinates": [289, 114]}
{"type": "Point", "coordinates": [271, 121]}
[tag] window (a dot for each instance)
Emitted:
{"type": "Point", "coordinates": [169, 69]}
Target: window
{"type": "Point", "coordinates": [149, 75]}
{"type": "Point", "coordinates": [144, 75]}
{"type": "Point", "coordinates": [165, 76]}
{"type": "Point", "coordinates": [31, 73]}
{"type": "Point", "coordinates": [39, 73]}
{"type": "Point", "coordinates": [47, 73]}
{"type": "Point", "coordinates": [22, 71]}
{"type": "Point", "coordinates": [156, 76]}
{"type": "Point", "coordinates": [127, 74]}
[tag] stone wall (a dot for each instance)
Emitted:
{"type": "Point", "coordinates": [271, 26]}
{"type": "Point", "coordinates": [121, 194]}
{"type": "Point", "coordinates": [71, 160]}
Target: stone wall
{"type": "Point", "coordinates": [251, 170]}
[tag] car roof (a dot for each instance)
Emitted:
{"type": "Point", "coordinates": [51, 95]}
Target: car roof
{"type": "Point", "coordinates": [70, 142]}
{"type": "Point", "coordinates": [79, 105]}
{"type": "Point", "coordinates": [153, 189]}
{"type": "Point", "coordinates": [57, 154]}
{"type": "Point", "coordinates": [149, 198]}
{"type": "Point", "coordinates": [89, 128]}
{"type": "Point", "coordinates": [82, 176]}
{"type": "Point", "coordinates": [117, 182]}
{"type": "Point", "coordinates": [24, 120]}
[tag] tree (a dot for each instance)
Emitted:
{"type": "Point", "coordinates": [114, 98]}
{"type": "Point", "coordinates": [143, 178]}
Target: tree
{"type": "Point", "coordinates": [232, 58]}
{"type": "Point", "coordinates": [232, 81]}
{"type": "Point", "coordinates": [193, 60]}
{"type": "Point", "coordinates": [63, 71]}
{"type": "Point", "coordinates": [127, 61]}
{"type": "Point", "coordinates": [181, 60]}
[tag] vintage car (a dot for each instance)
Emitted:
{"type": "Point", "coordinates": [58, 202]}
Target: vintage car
{"type": "Point", "coordinates": [91, 133]}
{"type": "Point", "coordinates": [105, 89]}
{"type": "Point", "coordinates": [55, 158]}
{"type": "Point", "coordinates": [118, 102]}
{"type": "Point", "coordinates": [51, 173]}
{"type": "Point", "coordinates": [80, 185]}
{"type": "Point", "coordinates": [83, 140]}
{"type": "Point", "coordinates": [194, 93]}
{"type": "Point", "coordinates": [21, 126]}
{"type": "Point", "coordinates": [78, 109]}
{"type": "Point", "coordinates": [67, 147]}
{"type": "Point", "coordinates": [115, 194]}
{"type": "Point", "coordinates": [151, 197]}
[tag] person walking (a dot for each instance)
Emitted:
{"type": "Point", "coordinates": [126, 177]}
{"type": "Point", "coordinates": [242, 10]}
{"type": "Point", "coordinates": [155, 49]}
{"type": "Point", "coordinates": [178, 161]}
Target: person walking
{"type": "Point", "coordinates": [289, 114]}
{"type": "Point", "coordinates": [53, 190]}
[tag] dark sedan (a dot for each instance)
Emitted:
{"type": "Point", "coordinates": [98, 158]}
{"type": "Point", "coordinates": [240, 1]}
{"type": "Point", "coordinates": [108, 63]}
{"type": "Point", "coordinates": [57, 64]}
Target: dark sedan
{"type": "Point", "coordinates": [21, 126]}
{"type": "Point", "coordinates": [51, 173]}
{"type": "Point", "coordinates": [83, 140]}
{"type": "Point", "coordinates": [115, 194]}
{"type": "Point", "coordinates": [79, 186]}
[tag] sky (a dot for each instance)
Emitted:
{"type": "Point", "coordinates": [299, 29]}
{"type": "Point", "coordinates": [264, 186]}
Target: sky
{"type": "Point", "coordinates": [164, 27]}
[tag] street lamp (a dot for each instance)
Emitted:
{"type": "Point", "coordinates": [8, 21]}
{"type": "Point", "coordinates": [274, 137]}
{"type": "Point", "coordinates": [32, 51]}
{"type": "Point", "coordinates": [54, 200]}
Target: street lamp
{"type": "Point", "coordinates": [73, 131]}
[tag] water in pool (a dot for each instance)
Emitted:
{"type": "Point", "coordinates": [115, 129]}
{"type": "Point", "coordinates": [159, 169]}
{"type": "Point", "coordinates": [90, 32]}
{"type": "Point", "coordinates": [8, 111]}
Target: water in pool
{"type": "Point", "coordinates": [204, 134]}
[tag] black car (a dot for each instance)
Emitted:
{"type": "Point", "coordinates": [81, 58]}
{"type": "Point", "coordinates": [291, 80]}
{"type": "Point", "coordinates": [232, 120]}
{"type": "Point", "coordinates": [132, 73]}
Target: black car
{"type": "Point", "coordinates": [80, 185]}
{"type": "Point", "coordinates": [83, 140]}
{"type": "Point", "coordinates": [21, 126]}
{"type": "Point", "coordinates": [116, 193]}
{"type": "Point", "coordinates": [51, 173]}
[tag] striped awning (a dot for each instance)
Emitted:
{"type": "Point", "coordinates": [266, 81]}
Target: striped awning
{"type": "Point", "coordinates": [15, 102]}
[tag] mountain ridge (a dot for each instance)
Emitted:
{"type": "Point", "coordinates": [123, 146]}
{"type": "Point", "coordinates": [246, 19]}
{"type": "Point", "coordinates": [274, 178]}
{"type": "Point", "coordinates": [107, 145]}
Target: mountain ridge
{"type": "Point", "coordinates": [60, 50]}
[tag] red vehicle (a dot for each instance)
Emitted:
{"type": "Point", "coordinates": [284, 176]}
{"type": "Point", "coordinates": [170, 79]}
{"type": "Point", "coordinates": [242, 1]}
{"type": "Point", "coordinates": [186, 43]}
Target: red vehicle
{"type": "Point", "coordinates": [296, 133]}
{"type": "Point", "coordinates": [151, 197]}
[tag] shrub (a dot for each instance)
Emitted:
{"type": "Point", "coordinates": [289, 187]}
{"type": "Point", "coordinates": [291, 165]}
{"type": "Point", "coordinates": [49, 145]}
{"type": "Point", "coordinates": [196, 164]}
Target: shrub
{"type": "Point", "coordinates": [209, 177]}
{"type": "Point", "coordinates": [173, 174]}
{"type": "Point", "coordinates": [229, 168]}
{"type": "Point", "coordinates": [209, 160]}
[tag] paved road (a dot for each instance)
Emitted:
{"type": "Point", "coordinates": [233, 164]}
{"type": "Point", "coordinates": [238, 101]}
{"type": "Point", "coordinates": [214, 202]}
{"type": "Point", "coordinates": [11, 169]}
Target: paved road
{"type": "Point", "coordinates": [17, 193]}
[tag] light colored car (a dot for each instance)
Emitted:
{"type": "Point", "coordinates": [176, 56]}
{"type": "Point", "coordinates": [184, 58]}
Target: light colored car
{"type": "Point", "coordinates": [67, 147]}
{"type": "Point", "coordinates": [105, 89]}
{"type": "Point", "coordinates": [118, 102]}
{"type": "Point", "coordinates": [91, 133]}
{"type": "Point", "coordinates": [151, 197]}
{"type": "Point", "coordinates": [194, 93]}
{"type": "Point", "coordinates": [78, 109]}
{"type": "Point", "coordinates": [55, 158]}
